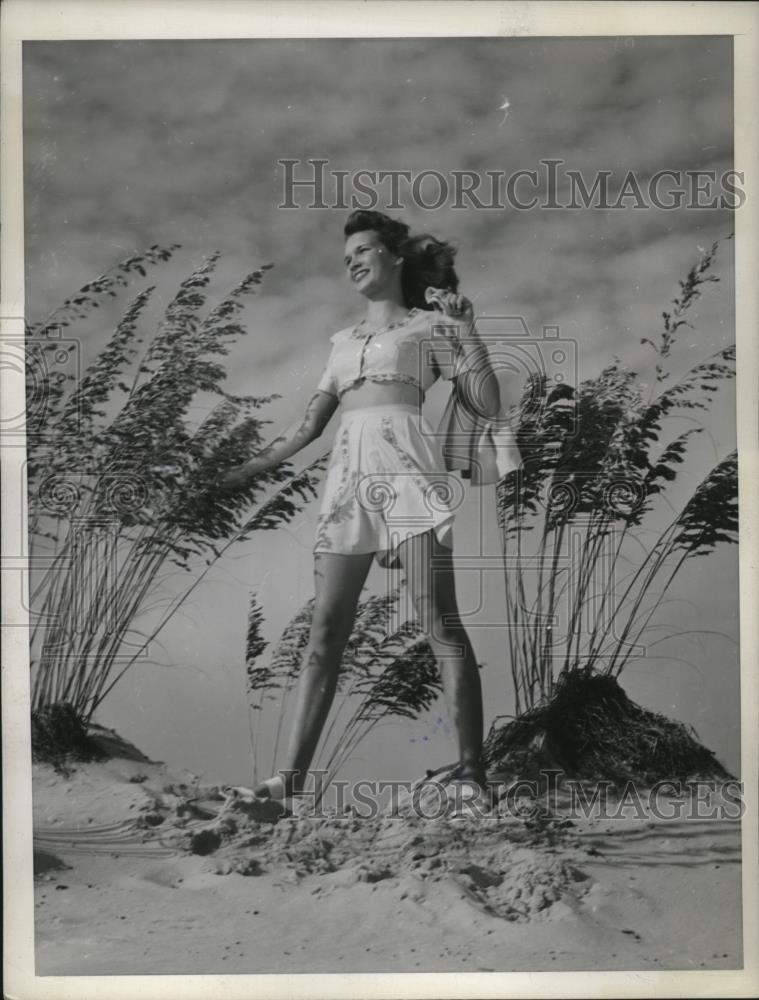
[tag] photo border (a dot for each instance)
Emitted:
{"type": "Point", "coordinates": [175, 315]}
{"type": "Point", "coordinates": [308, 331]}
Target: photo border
{"type": "Point", "coordinates": [225, 19]}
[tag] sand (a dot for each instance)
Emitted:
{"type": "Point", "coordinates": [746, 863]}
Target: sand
{"type": "Point", "coordinates": [140, 871]}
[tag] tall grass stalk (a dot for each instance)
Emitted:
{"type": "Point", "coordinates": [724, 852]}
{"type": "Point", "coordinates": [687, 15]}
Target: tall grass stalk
{"type": "Point", "coordinates": [594, 481]}
{"type": "Point", "coordinates": [121, 481]}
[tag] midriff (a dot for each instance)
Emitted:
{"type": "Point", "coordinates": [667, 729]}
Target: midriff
{"type": "Point", "coordinates": [368, 393]}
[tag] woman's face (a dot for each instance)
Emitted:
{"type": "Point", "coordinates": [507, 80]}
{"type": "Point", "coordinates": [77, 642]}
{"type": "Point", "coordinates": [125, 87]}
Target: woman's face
{"type": "Point", "coordinates": [370, 265]}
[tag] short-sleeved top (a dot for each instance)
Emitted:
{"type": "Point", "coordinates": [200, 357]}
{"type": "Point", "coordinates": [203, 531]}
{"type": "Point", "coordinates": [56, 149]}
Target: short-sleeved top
{"type": "Point", "coordinates": [419, 350]}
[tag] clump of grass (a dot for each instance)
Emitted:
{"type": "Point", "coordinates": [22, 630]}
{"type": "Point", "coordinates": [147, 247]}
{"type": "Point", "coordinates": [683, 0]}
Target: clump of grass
{"type": "Point", "coordinates": [60, 737]}
{"type": "Point", "coordinates": [591, 730]}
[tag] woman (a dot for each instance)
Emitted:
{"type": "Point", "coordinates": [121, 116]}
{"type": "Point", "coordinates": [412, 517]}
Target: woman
{"type": "Point", "coordinates": [387, 493]}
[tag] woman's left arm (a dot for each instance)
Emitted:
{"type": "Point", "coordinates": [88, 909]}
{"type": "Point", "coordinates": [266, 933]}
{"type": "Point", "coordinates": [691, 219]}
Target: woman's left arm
{"type": "Point", "coordinates": [476, 381]}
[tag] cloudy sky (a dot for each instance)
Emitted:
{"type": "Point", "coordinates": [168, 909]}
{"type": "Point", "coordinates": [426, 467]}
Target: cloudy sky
{"type": "Point", "coordinates": [133, 143]}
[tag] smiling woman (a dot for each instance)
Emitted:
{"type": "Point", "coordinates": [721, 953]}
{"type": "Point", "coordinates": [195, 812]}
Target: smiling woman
{"type": "Point", "coordinates": [389, 492]}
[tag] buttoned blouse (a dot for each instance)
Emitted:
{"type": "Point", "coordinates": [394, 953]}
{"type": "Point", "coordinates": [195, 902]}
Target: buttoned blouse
{"type": "Point", "coordinates": [426, 346]}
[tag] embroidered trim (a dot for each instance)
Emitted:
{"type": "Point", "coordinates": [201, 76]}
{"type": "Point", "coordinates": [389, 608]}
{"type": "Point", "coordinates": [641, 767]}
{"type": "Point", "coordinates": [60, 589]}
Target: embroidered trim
{"type": "Point", "coordinates": [339, 508]}
{"type": "Point", "coordinates": [389, 435]}
{"type": "Point", "coordinates": [381, 377]}
{"type": "Point", "coordinates": [355, 335]}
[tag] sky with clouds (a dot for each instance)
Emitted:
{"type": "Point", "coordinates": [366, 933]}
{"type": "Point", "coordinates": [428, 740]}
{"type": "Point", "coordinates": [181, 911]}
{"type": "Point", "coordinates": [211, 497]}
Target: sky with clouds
{"type": "Point", "coordinates": [133, 143]}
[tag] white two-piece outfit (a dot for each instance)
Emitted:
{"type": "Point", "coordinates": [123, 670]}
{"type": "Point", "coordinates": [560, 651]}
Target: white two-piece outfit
{"type": "Point", "coordinates": [390, 472]}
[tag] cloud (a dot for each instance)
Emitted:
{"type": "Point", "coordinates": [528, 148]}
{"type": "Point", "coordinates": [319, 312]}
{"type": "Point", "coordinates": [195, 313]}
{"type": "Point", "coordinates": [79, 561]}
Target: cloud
{"type": "Point", "coordinates": [137, 142]}
{"type": "Point", "coordinates": [132, 143]}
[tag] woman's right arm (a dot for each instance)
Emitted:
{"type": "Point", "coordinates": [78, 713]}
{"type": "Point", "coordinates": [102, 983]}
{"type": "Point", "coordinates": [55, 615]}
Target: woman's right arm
{"type": "Point", "coordinates": [299, 434]}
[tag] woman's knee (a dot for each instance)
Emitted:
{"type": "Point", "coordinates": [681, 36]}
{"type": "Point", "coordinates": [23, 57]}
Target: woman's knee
{"type": "Point", "coordinates": [330, 628]}
{"type": "Point", "coordinates": [450, 642]}
{"type": "Point", "coordinates": [438, 623]}
{"type": "Point", "coordinates": [445, 632]}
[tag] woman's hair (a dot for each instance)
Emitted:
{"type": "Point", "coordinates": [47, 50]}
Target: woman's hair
{"type": "Point", "coordinates": [426, 261]}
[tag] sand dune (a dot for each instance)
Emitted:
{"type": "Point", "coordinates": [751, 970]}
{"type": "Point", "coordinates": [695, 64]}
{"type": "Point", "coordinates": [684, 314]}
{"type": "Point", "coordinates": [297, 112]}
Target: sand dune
{"type": "Point", "coordinates": [139, 870]}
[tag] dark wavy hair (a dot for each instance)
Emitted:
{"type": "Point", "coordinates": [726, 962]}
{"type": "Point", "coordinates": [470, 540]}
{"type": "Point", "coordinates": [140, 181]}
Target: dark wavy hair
{"type": "Point", "coordinates": [426, 260]}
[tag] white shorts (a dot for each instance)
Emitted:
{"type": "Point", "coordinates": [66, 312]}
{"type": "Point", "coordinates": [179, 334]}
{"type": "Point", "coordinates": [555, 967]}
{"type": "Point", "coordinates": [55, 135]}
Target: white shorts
{"type": "Point", "coordinates": [386, 481]}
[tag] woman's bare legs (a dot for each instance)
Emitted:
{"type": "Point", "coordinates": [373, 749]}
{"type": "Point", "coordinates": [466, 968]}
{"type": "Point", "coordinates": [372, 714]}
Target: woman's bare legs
{"type": "Point", "coordinates": [338, 580]}
{"type": "Point", "coordinates": [428, 566]}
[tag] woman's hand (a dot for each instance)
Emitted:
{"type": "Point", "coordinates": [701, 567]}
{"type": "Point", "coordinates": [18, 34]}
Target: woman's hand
{"type": "Point", "coordinates": [295, 437]}
{"type": "Point", "coordinates": [240, 476]}
{"type": "Point", "coordinates": [452, 304]}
